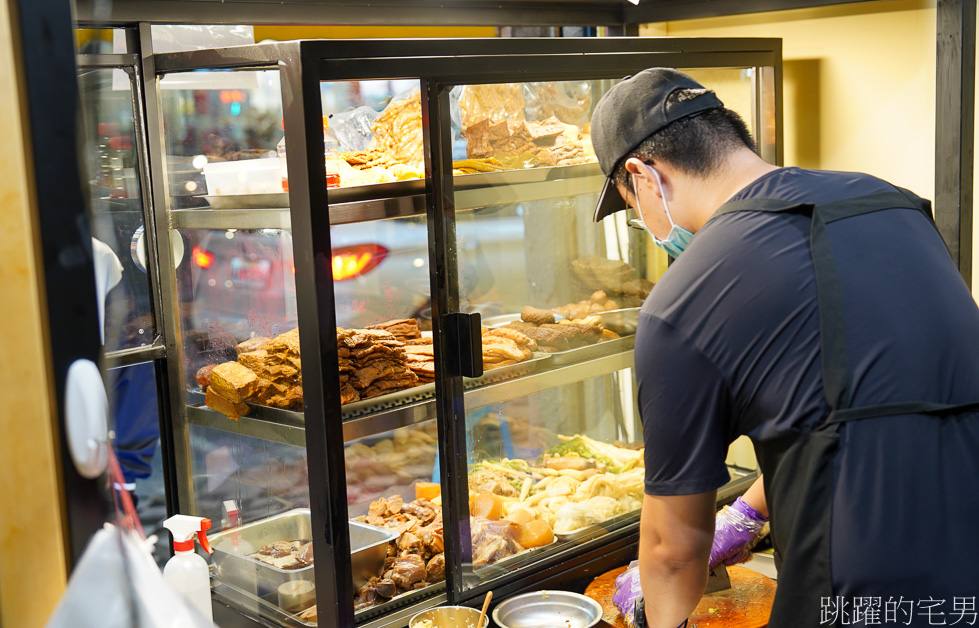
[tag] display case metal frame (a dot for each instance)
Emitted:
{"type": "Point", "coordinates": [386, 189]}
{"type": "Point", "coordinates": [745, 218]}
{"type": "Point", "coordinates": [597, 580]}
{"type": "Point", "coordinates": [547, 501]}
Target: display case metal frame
{"type": "Point", "coordinates": [129, 63]}
{"type": "Point", "coordinates": [438, 65]}
{"type": "Point", "coordinates": [430, 12]}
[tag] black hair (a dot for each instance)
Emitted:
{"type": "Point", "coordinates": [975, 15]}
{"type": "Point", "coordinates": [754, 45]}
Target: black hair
{"type": "Point", "coordinates": [695, 145]}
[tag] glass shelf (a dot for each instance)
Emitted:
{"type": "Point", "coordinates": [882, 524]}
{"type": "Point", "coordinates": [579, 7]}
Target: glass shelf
{"type": "Point", "coordinates": [407, 198]}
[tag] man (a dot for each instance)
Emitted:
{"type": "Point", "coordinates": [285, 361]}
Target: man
{"type": "Point", "coordinates": [801, 307]}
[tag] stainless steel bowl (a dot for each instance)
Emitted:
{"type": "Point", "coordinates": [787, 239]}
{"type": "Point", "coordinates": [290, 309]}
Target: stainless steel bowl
{"type": "Point", "coordinates": [448, 617]}
{"type": "Point", "coordinates": [548, 608]}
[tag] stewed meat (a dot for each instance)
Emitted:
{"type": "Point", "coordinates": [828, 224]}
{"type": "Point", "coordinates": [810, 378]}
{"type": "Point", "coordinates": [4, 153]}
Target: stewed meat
{"type": "Point", "coordinates": [408, 570]}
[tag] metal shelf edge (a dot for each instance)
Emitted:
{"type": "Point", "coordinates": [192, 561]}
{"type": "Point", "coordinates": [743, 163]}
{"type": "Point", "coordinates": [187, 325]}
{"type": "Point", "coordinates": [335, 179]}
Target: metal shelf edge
{"type": "Point", "coordinates": [471, 192]}
{"type": "Point", "coordinates": [272, 218]}
{"type": "Point", "coordinates": [255, 427]}
{"type": "Point", "coordinates": [285, 426]}
{"type": "Point", "coordinates": [134, 355]}
{"type": "Point", "coordinates": [399, 617]}
{"type": "Point", "coordinates": [537, 382]}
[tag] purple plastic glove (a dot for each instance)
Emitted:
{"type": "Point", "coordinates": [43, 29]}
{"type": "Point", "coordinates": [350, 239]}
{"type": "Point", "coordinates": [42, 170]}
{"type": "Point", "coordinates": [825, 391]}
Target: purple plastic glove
{"type": "Point", "coordinates": [627, 591]}
{"type": "Point", "coordinates": [737, 529]}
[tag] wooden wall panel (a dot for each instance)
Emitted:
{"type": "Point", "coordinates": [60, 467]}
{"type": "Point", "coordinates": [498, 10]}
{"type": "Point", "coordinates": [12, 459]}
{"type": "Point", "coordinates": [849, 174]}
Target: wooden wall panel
{"type": "Point", "coordinates": [30, 487]}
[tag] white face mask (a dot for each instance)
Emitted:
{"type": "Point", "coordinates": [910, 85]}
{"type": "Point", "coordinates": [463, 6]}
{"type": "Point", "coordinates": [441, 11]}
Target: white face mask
{"type": "Point", "coordinates": [678, 238]}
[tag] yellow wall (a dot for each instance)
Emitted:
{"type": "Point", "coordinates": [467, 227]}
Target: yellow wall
{"type": "Point", "coordinates": [30, 582]}
{"type": "Point", "coordinates": [283, 33]}
{"type": "Point", "coordinates": [85, 35]}
{"type": "Point", "coordinates": [859, 84]}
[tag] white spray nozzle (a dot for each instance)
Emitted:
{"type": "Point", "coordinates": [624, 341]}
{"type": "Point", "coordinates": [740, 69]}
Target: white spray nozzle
{"type": "Point", "coordinates": [183, 528]}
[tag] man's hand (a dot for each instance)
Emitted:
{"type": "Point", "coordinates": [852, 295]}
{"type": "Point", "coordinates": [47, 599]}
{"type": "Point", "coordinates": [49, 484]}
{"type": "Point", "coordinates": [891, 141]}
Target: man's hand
{"type": "Point", "coordinates": [737, 529]}
{"type": "Point", "coordinates": [627, 591]}
{"type": "Point", "coordinates": [674, 547]}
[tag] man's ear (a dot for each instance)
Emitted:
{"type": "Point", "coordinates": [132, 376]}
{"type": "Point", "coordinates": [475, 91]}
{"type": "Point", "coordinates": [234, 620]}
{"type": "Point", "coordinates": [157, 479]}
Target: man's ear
{"type": "Point", "coordinates": [636, 167]}
{"type": "Point", "coordinates": [644, 171]}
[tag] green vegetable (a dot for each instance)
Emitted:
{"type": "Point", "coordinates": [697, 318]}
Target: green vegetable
{"type": "Point", "coordinates": [578, 446]}
{"type": "Point", "coordinates": [625, 459]}
{"type": "Point", "coordinates": [617, 459]}
{"type": "Point", "coordinates": [517, 465]}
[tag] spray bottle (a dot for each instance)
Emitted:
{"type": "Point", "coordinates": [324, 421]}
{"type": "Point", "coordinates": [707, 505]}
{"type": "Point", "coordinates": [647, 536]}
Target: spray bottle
{"type": "Point", "coordinates": [186, 571]}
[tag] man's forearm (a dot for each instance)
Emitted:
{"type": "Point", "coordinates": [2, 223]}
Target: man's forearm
{"type": "Point", "coordinates": [755, 497]}
{"type": "Point", "coordinates": [674, 546]}
{"type": "Point", "coordinates": [672, 589]}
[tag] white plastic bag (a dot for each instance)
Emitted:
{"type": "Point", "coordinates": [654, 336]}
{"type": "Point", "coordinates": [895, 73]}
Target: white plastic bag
{"type": "Point", "coordinates": [352, 128]}
{"type": "Point", "coordinates": [569, 101]}
{"type": "Point", "coordinates": [117, 584]}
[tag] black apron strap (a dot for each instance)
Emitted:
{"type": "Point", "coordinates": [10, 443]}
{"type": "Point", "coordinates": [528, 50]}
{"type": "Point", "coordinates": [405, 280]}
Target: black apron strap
{"type": "Point", "coordinates": [834, 210]}
{"type": "Point", "coordinates": [902, 408]}
{"type": "Point", "coordinates": [832, 319]}
{"type": "Point", "coordinates": [769, 205]}
{"type": "Point", "coordinates": [923, 205]}
{"type": "Point", "coordinates": [878, 201]}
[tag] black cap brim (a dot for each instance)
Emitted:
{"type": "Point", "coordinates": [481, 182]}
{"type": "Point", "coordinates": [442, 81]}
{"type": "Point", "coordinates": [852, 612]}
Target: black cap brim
{"type": "Point", "coordinates": [609, 202]}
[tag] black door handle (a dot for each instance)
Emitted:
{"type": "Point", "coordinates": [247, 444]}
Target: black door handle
{"type": "Point", "coordinates": [464, 344]}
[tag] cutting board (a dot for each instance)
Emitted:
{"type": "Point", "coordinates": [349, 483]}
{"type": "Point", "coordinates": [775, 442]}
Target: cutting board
{"type": "Point", "coordinates": [747, 604]}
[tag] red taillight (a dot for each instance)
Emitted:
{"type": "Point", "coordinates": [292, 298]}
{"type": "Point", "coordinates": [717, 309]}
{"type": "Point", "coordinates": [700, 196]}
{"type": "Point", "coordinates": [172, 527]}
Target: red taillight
{"type": "Point", "coordinates": [202, 258]}
{"type": "Point", "coordinates": [354, 261]}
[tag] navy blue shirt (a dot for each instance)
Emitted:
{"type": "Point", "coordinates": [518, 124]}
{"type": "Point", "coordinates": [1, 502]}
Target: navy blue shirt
{"type": "Point", "coordinates": [728, 345]}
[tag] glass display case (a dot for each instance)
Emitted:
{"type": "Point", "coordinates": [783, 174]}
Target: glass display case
{"type": "Point", "coordinates": [403, 345]}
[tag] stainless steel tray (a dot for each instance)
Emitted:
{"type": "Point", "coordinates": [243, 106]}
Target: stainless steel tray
{"type": "Point", "coordinates": [389, 400]}
{"type": "Point", "coordinates": [427, 391]}
{"type": "Point", "coordinates": [232, 564]}
{"type": "Point", "coordinates": [393, 399]}
{"type": "Point", "coordinates": [248, 201]}
{"type": "Point", "coordinates": [504, 563]}
{"type": "Point", "coordinates": [598, 529]}
{"type": "Point", "coordinates": [597, 350]}
{"type": "Point", "coordinates": [503, 319]}
{"type": "Point", "coordinates": [622, 322]}
{"type": "Point", "coordinates": [511, 371]}
{"type": "Point", "coordinates": [352, 194]}
{"type": "Point", "coordinates": [265, 606]}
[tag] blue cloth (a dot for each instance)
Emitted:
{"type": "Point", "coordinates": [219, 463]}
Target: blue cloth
{"type": "Point", "coordinates": [137, 422]}
{"type": "Point", "coordinates": [728, 344]}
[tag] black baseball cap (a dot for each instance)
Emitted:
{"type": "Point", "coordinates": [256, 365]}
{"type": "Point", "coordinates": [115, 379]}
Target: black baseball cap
{"type": "Point", "coordinates": [631, 111]}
